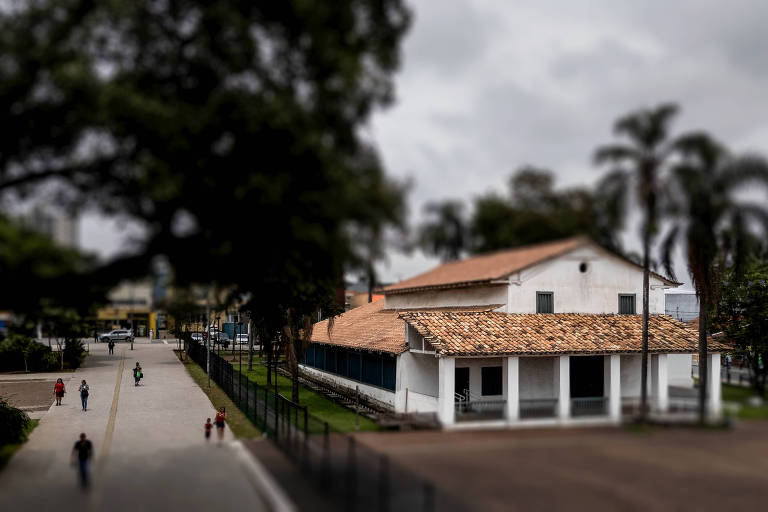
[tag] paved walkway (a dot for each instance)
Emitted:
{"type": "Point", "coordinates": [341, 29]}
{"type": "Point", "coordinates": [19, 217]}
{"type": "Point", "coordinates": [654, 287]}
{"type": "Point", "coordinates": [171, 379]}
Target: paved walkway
{"type": "Point", "coordinates": [150, 453]}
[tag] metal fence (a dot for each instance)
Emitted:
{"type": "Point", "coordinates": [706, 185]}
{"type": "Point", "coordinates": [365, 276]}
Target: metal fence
{"type": "Point", "coordinates": [354, 476]}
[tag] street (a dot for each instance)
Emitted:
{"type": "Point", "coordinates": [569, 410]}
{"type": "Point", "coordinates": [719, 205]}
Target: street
{"type": "Point", "coordinates": [150, 452]}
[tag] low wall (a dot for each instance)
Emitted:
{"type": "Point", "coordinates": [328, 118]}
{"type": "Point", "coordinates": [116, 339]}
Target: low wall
{"type": "Point", "coordinates": [417, 402]}
{"type": "Point", "coordinates": [383, 398]}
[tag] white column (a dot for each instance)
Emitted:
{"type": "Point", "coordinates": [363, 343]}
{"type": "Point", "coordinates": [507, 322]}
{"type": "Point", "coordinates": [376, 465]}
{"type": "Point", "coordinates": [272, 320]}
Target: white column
{"type": "Point", "coordinates": [660, 382]}
{"type": "Point", "coordinates": [614, 388]}
{"type": "Point", "coordinates": [663, 382]}
{"type": "Point", "coordinates": [512, 383]}
{"type": "Point", "coordinates": [714, 384]}
{"type": "Point", "coordinates": [446, 408]}
{"type": "Point", "coordinates": [563, 386]}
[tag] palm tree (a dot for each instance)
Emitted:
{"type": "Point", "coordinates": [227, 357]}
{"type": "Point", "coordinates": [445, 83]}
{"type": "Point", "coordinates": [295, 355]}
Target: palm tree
{"type": "Point", "coordinates": [445, 233]}
{"type": "Point", "coordinates": [712, 225]}
{"type": "Point", "coordinates": [642, 159]}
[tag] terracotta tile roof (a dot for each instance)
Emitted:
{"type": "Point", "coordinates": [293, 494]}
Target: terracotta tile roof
{"type": "Point", "coordinates": [372, 327]}
{"type": "Point", "coordinates": [486, 268]}
{"type": "Point", "coordinates": [560, 333]}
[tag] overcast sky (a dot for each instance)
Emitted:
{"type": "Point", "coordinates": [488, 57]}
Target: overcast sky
{"type": "Point", "coordinates": [487, 86]}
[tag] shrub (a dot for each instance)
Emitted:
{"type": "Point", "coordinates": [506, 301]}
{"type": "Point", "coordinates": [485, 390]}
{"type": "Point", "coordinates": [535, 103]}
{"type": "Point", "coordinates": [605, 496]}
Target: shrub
{"type": "Point", "coordinates": [74, 352]}
{"type": "Point", "coordinates": [15, 349]}
{"type": "Point", "coordinates": [13, 424]}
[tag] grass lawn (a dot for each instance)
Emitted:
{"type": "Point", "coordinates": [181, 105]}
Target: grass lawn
{"type": "Point", "coordinates": [240, 425]}
{"type": "Point", "coordinates": [337, 416]}
{"type": "Point", "coordinates": [740, 395]}
{"type": "Point", "coordinates": [7, 451]}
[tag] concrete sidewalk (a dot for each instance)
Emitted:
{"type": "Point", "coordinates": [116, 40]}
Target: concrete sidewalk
{"type": "Point", "coordinates": [149, 447]}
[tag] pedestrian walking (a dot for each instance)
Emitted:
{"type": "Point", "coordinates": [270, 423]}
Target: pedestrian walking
{"type": "Point", "coordinates": [221, 417]}
{"type": "Point", "coordinates": [208, 427]}
{"type": "Point", "coordinates": [111, 346]}
{"type": "Point", "coordinates": [82, 453]}
{"type": "Point", "coordinates": [84, 394]}
{"type": "Point", "coordinates": [137, 374]}
{"type": "Point", "coordinates": [59, 390]}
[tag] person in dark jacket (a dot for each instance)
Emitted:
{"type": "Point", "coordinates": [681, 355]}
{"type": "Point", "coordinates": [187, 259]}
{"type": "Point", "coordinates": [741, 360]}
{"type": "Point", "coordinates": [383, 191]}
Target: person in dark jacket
{"type": "Point", "coordinates": [82, 453]}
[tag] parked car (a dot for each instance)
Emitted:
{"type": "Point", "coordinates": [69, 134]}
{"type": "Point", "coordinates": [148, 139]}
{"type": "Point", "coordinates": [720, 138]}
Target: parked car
{"type": "Point", "coordinates": [116, 335]}
{"type": "Point", "coordinates": [242, 338]}
{"type": "Point", "coordinates": [197, 336]}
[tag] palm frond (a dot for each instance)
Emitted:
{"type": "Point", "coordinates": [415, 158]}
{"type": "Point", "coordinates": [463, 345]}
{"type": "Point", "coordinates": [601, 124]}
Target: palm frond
{"type": "Point", "coordinates": [667, 246]}
{"type": "Point", "coordinates": [743, 170]}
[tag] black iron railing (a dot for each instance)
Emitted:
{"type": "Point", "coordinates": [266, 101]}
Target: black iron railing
{"type": "Point", "coordinates": [353, 475]}
{"type": "Point", "coordinates": [531, 408]}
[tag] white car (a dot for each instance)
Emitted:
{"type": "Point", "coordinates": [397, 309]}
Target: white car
{"type": "Point", "coordinates": [242, 338]}
{"type": "Point", "coordinates": [116, 335]}
{"type": "Point", "coordinates": [197, 336]}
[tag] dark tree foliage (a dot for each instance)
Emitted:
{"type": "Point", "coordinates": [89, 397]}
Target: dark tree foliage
{"type": "Point", "coordinates": [711, 222]}
{"type": "Point", "coordinates": [13, 424]}
{"type": "Point", "coordinates": [742, 315]}
{"type": "Point", "coordinates": [445, 233]}
{"type": "Point", "coordinates": [535, 211]}
{"type": "Point", "coordinates": [230, 129]}
{"type": "Point", "coordinates": [36, 274]}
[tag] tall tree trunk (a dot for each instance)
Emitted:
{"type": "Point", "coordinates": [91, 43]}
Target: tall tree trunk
{"type": "Point", "coordinates": [269, 362]}
{"type": "Point", "coordinates": [703, 363]}
{"type": "Point", "coordinates": [646, 312]}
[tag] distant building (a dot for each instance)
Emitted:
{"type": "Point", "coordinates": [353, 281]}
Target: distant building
{"type": "Point", "coordinates": [681, 305]}
{"type": "Point", "coordinates": [547, 334]}
{"type": "Point", "coordinates": [130, 307]}
{"type": "Point", "coordinates": [60, 226]}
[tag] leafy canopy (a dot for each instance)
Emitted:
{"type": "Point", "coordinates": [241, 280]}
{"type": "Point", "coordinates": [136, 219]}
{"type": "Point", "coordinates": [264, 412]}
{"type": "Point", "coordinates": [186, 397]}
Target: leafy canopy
{"type": "Point", "coordinates": [229, 129]}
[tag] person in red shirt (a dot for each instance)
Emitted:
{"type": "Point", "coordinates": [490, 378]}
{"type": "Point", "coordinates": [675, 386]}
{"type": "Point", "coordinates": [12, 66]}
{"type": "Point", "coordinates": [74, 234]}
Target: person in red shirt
{"type": "Point", "coordinates": [221, 417]}
{"type": "Point", "coordinates": [58, 391]}
{"type": "Point", "coordinates": [208, 427]}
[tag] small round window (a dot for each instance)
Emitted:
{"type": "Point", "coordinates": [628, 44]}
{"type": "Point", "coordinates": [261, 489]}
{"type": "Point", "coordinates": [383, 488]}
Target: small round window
{"type": "Point", "coordinates": [583, 267]}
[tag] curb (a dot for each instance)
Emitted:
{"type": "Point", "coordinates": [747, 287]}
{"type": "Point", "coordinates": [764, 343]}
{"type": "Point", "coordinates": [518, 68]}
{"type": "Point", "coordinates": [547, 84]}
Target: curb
{"type": "Point", "coordinates": [273, 494]}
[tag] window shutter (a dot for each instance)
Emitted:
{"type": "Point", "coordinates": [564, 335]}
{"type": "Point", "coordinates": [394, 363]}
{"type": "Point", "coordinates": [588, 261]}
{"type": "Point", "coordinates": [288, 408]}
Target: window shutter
{"type": "Point", "coordinates": [626, 304]}
{"type": "Point", "coordinates": [545, 302]}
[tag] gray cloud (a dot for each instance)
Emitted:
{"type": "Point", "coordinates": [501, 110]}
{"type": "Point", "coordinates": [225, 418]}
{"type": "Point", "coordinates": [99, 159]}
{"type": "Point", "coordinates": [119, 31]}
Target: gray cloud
{"type": "Point", "coordinates": [489, 86]}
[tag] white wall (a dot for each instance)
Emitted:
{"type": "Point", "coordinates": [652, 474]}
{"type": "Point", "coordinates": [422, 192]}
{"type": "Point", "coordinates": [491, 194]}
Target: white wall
{"type": "Point", "coordinates": [416, 402]}
{"type": "Point", "coordinates": [594, 291]}
{"type": "Point", "coordinates": [630, 375]}
{"type": "Point", "coordinates": [379, 394]}
{"type": "Point", "coordinates": [537, 377]}
{"type": "Point", "coordinates": [477, 296]}
{"type": "Point", "coordinates": [476, 376]}
{"type": "Point", "coordinates": [679, 368]}
{"type": "Point", "coordinates": [418, 373]}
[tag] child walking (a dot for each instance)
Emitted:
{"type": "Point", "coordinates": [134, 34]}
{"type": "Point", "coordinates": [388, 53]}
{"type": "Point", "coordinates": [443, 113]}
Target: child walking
{"type": "Point", "coordinates": [208, 427]}
{"type": "Point", "coordinates": [58, 391]}
{"type": "Point", "coordinates": [221, 417]}
{"type": "Point", "coordinates": [137, 375]}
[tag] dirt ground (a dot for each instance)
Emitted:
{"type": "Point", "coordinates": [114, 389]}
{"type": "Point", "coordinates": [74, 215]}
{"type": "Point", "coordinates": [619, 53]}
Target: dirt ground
{"type": "Point", "coordinates": [590, 469]}
{"type": "Point", "coordinates": [30, 395]}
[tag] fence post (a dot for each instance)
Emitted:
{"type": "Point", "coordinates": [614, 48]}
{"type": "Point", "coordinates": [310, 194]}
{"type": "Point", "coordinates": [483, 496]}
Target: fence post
{"type": "Point", "coordinates": [351, 475]}
{"type": "Point", "coordinates": [429, 497]}
{"type": "Point", "coordinates": [246, 397]}
{"type": "Point", "coordinates": [266, 396]}
{"type": "Point", "coordinates": [277, 418]}
{"type": "Point", "coordinates": [305, 449]}
{"type": "Point", "coordinates": [324, 476]}
{"type": "Point", "coordinates": [383, 483]}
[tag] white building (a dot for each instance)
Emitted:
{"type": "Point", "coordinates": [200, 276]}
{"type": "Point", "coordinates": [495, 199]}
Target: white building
{"type": "Point", "coordinates": [544, 334]}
